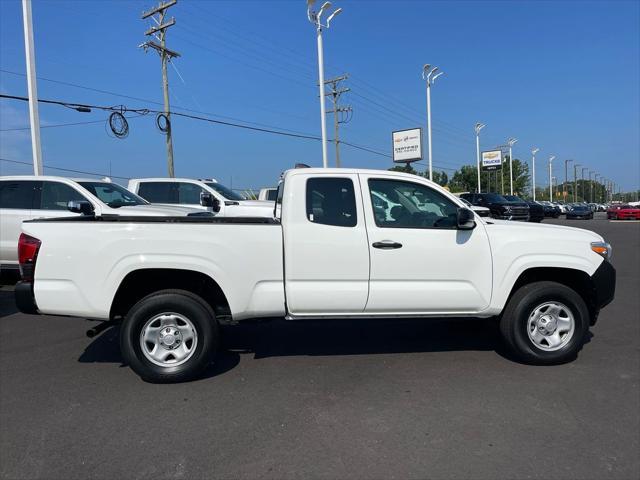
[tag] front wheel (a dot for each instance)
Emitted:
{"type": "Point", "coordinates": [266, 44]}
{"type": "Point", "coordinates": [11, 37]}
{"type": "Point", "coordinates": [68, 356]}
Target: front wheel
{"type": "Point", "coordinates": [169, 336]}
{"type": "Point", "coordinates": [545, 323]}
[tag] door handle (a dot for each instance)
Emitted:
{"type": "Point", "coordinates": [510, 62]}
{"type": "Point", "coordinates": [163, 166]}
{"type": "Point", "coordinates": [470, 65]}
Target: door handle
{"type": "Point", "coordinates": [387, 245]}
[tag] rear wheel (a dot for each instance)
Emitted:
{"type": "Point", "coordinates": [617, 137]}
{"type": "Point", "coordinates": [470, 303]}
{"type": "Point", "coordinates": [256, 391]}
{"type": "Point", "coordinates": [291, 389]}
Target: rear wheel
{"type": "Point", "coordinates": [169, 336]}
{"type": "Point", "coordinates": [545, 323]}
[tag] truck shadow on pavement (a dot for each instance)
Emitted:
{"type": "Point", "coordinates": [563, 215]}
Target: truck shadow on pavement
{"type": "Point", "coordinates": [7, 303]}
{"type": "Point", "coordinates": [281, 338]}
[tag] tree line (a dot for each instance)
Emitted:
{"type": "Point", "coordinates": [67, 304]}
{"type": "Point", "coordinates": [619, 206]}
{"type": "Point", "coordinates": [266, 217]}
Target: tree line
{"type": "Point", "coordinates": [465, 179]}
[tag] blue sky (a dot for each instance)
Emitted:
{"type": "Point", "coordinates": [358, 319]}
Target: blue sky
{"type": "Point", "coordinates": [561, 76]}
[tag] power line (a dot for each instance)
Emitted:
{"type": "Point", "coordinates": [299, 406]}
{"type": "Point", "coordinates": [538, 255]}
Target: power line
{"type": "Point", "coordinates": [115, 94]}
{"type": "Point", "coordinates": [123, 109]}
{"type": "Point", "coordinates": [83, 87]}
{"type": "Point", "coordinates": [145, 111]}
{"type": "Point", "coordinates": [66, 169]}
{"type": "Point", "coordinates": [51, 126]}
{"type": "Point", "coordinates": [61, 125]}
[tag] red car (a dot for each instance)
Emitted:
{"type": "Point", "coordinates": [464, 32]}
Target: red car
{"type": "Point", "coordinates": [612, 211]}
{"type": "Point", "coordinates": [627, 212]}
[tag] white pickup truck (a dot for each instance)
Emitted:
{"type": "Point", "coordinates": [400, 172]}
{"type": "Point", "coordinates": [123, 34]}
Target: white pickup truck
{"type": "Point", "coordinates": [187, 192]}
{"type": "Point", "coordinates": [327, 253]}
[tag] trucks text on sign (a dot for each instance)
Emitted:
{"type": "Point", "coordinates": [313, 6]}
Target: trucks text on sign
{"type": "Point", "coordinates": [492, 160]}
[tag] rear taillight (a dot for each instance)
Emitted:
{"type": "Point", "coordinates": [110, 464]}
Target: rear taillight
{"type": "Point", "coordinates": [28, 248]}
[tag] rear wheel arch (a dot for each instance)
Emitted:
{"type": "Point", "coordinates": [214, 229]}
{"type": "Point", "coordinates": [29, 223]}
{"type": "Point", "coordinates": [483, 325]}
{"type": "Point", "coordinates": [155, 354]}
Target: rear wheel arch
{"type": "Point", "coordinates": [140, 283]}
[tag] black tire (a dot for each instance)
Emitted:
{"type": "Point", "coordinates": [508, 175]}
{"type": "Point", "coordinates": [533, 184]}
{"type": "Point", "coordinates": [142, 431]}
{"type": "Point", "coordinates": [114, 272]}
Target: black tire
{"type": "Point", "coordinates": [514, 322]}
{"type": "Point", "coordinates": [184, 303]}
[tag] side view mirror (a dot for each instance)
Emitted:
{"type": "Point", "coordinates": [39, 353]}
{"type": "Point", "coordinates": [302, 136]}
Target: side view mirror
{"type": "Point", "coordinates": [466, 219]}
{"type": "Point", "coordinates": [81, 206]}
{"type": "Point", "coordinates": [208, 200]}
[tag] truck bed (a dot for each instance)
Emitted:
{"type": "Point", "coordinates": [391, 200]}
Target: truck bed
{"type": "Point", "coordinates": [83, 260]}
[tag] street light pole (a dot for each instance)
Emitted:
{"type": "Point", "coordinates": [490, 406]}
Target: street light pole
{"type": "Point", "coordinates": [512, 141]}
{"type": "Point", "coordinates": [479, 126]}
{"type": "Point", "coordinates": [428, 75]}
{"type": "Point", "coordinates": [551, 159]}
{"type": "Point", "coordinates": [591, 187]}
{"type": "Point", "coordinates": [595, 179]}
{"type": "Point", "coordinates": [565, 189]}
{"type": "Point", "coordinates": [583, 192]}
{"type": "Point", "coordinates": [316, 18]}
{"type": "Point", "coordinates": [533, 171]}
{"type": "Point", "coordinates": [34, 117]}
{"type": "Point", "coordinates": [575, 182]}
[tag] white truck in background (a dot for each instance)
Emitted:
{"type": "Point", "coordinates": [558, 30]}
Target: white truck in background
{"type": "Point", "coordinates": [329, 253]}
{"type": "Point", "coordinates": [268, 194]}
{"type": "Point", "coordinates": [205, 194]}
{"type": "Point", "coordinates": [25, 197]}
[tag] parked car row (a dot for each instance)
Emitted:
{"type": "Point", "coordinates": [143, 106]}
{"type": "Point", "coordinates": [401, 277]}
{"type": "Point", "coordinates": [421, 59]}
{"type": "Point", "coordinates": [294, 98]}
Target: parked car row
{"type": "Point", "coordinates": [499, 207]}
{"type": "Point", "coordinates": [27, 197]}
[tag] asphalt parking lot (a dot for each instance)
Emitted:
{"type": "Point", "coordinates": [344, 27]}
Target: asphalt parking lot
{"type": "Point", "coordinates": [336, 399]}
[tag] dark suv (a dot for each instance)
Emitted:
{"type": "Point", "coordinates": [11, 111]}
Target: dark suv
{"type": "Point", "coordinates": [500, 207]}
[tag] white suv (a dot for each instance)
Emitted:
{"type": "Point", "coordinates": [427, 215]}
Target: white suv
{"type": "Point", "coordinates": [187, 192]}
{"type": "Point", "coordinates": [26, 197]}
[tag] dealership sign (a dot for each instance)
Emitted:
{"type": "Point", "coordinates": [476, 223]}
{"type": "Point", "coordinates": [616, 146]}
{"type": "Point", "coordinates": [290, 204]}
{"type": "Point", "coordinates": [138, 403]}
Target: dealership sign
{"type": "Point", "coordinates": [407, 145]}
{"type": "Point", "coordinates": [492, 160]}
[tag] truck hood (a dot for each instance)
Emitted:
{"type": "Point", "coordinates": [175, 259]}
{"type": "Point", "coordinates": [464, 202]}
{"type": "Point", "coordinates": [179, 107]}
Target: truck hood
{"type": "Point", "coordinates": [504, 227]}
{"type": "Point", "coordinates": [257, 203]}
{"type": "Point", "coordinates": [251, 208]}
{"type": "Point", "coordinates": [150, 211]}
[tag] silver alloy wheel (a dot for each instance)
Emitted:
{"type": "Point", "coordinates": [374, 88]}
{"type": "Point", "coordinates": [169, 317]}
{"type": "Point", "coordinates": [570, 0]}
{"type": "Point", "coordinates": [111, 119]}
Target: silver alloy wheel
{"type": "Point", "coordinates": [551, 326]}
{"type": "Point", "coordinates": [168, 339]}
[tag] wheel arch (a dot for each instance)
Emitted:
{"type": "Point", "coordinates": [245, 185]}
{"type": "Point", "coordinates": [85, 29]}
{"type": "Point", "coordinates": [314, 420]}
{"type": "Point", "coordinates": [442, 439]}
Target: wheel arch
{"type": "Point", "coordinates": [578, 280]}
{"type": "Point", "coordinates": [142, 282]}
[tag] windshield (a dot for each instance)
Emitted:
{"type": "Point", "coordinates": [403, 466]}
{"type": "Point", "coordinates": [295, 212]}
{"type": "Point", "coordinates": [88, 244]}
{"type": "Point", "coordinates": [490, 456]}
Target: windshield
{"type": "Point", "coordinates": [512, 198]}
{"type": "Point", "coordinates": [224, 191]}
{"type": "Point", "coordinates": [495, 198]}
{"type": "Point", "coordinates": [113, 194]}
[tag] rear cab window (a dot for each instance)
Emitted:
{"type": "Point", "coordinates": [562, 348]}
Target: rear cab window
{"type": "Point", "coordinates": [18, 194]}
{"type": "Point", "coordinates": [331, 201]}
{"type": "Point", "coordinates": [159, 192]}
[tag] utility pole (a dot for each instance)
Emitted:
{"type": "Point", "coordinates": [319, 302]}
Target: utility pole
{"type": "Point", "coordinates": [340, 114]}
{"type": "Point", "coordinates": [34, 118]}
{"type": "Point", "coordinates": [575, 182]}
{"type": "Point", "coordinates": [159, 33]}
{"type": "Point", "coordinates": [565, 187]}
